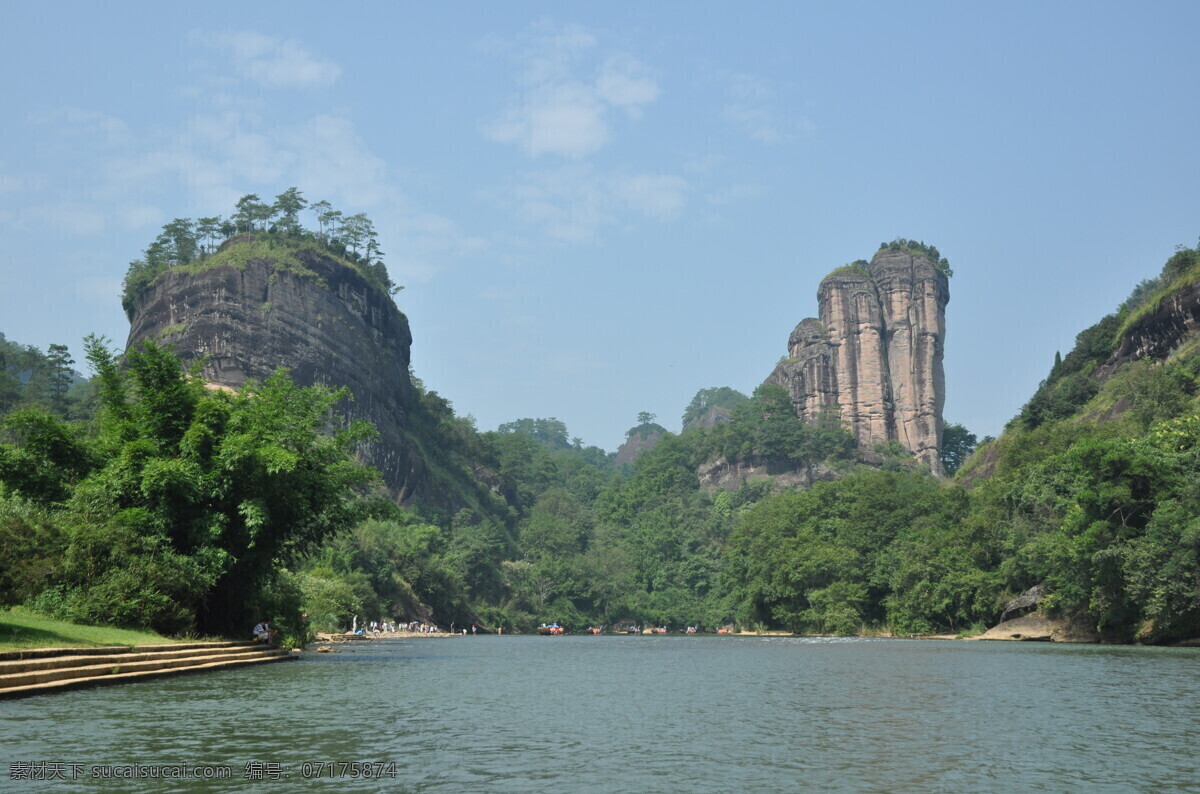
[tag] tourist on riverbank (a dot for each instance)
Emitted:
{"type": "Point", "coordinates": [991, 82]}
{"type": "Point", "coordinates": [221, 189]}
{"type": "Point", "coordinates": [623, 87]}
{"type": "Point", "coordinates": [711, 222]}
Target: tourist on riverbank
{"type": "Point", "coordinates": [262, 632]}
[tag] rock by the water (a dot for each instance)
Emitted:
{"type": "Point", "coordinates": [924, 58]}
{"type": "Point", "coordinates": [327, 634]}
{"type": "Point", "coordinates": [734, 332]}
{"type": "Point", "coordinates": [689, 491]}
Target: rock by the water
{"type": "Point", "coordinates": [1023, 603]}
{"type": "Point", "coordinates": [1037, 627]}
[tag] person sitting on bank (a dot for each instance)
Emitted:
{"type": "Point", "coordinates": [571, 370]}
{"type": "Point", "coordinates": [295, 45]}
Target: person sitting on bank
{"type": "Point", "coordinates": [262, 632]}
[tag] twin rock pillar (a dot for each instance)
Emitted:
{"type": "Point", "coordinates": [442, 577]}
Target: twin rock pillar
{"type": "Point", "coordinates": [874, 358]}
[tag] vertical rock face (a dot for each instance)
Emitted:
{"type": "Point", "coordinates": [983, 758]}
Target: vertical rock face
{"type": "Point", "coordinates": [875, 355]}
{"type": "Point", "coordinates": [328, 326]}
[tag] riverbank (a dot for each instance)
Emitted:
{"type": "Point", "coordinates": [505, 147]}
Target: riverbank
{"type": "Point", "coordinates": [21, 629]}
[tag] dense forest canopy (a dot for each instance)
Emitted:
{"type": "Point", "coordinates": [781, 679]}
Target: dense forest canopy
{"type": "Point", "coordinates": [142, 498]}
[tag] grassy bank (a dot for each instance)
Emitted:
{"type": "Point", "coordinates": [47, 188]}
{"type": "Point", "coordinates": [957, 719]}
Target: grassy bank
{"type": "Point", "coordinates": [20, 629]}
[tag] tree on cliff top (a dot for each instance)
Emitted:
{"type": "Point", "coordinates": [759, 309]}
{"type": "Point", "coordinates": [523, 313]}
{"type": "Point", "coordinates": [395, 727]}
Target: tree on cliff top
{"type": "Point", "coordinates": [715, 397]}
{"type": "Point", "coordinates": [930, 252]}
{"type": "Point", "coordinates": [645, 426]}
{"type": "Point", "coordinates": [350, 239]}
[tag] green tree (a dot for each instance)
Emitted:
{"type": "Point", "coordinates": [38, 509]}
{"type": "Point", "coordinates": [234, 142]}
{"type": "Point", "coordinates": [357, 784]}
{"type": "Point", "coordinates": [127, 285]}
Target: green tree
{"type": "Point", "coordinates": [1157, 391]}
{"type": "Point", "coordinates": [321, 209]}
{"type": "Point", "coordinates": [329, 219]}
{"type": "Point", "coordinates": [178, 242]}
{"type": "Point", "coordinates": [355, 232]}
{"type": "Point", "coordinates": [287, 207]}
{"type": "Point", "coordinates": [202, 496]}
{"type": "Point", "coordinates": [715, 397]}
{"type": "Point", "coordinates": [209, 229]}
{"type": "Point", "coordinates": [252, 210]}
{"type": "Point", "coordinates": [957, 445]}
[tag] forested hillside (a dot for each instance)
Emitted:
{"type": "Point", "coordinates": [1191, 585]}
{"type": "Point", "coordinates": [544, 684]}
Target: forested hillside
{"type": "Point", "coordinates": [159, 502]}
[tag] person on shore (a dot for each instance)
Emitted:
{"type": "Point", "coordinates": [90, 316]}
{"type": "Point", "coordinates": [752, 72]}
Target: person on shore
{"type": "Point", "coordinates": [262, 632]}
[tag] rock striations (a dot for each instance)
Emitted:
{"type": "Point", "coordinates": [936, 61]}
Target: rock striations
{"type": "Point", "coordinates": [874, 358]}
{"type": "Point", "coordinates": [325, 323]}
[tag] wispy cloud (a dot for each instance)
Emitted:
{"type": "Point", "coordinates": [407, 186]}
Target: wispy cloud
{"type": "Point", "coordinates": [733, 194]}
{"type": "Point", "coordinates": [755, 108]}
{"type": "Point", "coordinates": [624, 82]}
{"type": "Point", "coordinates": [569, 203]}
{"type": "Point", "coordinates": [574, 202]}
{"type": "Point", "coordinates": [565, 103]}
{"type": "Point", "coordinates": [573, 97]}
{"type": "Point", "coordinates": [657, 196]}
{"type": "Point", "coordinates": [10, 184]}
{"type": "Point", "coordinates": [271, 61]}
{"type": "Point", "coordinates": [225, 150]}
{"type": "Point", "coordinates": [82, 123]}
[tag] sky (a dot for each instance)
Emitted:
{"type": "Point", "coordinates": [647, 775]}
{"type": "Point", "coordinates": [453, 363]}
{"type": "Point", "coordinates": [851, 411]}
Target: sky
{"type": "Point", "coordinates": [599, 209]}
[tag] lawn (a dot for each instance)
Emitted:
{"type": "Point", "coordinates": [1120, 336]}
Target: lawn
{"type": "Point", "coordinates": [21, 629]}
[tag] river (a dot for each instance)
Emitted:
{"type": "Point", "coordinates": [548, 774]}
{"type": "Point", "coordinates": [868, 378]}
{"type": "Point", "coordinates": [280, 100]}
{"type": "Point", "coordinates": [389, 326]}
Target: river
{"type": "Point", "coordinates": [637, 714]}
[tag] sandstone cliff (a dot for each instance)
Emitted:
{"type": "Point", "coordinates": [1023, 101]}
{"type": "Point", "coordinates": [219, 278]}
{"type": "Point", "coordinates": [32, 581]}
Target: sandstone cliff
{"type": "Point", "coordinates": [323, 321]}
{"type": "Point", "coordinates": [1160, 331]}
{"type": "Point", "coordinates": [875, 355]}
{"type": "Point", "coordinates": [730, 475]}
{"type": "Point", "coordinates": [639, 440]}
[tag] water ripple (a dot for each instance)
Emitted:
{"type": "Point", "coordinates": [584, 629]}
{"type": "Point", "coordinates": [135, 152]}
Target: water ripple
{"type": "Point", "coordinates": [663, 714]}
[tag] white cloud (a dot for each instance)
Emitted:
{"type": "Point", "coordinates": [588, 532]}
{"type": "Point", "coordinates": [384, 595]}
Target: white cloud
{"type": "Point", "coordinates": [135, 178]}
{"type": "Point", "coordinates": [657, 196]}
{"type": "Point", "coordinates": [273, 62]}
{"type": "Point", "coordinates": [625, 82]}
{"type": "Point", "coordinates": [567, 119]}
{"type": "Point", "coordinates": [419, 244]}
{"type": "Point", "coordinates": [332, 159]}
{"type": "Point", "coordinates": [569, 203]}
{"type": "Point", "coordinates": [219, 155]}
{"type": "Point", "coordinates": [754, 107]}
{"type": "Point", "coordinates": [734, 194]}
{"type": "Point", "coordinates": [82, 123]}
{"type": "Point", "coordinates": [574, 202]}
{"type": "Point", "coordinates": [563, 110]}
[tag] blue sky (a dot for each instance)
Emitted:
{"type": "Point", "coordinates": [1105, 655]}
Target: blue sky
{"type": "Point", "coordinates": [599, 209]}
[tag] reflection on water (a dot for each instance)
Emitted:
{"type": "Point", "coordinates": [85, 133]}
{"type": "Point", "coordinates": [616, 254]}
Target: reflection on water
{"type": "Point", "coordinates": [635, 714]}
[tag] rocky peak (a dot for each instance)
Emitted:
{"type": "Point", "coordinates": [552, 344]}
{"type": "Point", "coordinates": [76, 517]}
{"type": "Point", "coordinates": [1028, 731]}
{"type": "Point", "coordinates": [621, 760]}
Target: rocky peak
{"type": "Point", "coordinates": [639, 440]}
{"type": "Point", "coordinates": [875, 354]}
{"type": "Point", "coordinates": [306, 311]}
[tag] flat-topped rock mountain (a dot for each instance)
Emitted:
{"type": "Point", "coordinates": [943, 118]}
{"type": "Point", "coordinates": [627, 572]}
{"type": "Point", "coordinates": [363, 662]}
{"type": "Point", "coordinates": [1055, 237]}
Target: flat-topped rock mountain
{"type": "Point", "coordinates": [316, 316]}
{"type": "Point", "coordinates": [873, 357]}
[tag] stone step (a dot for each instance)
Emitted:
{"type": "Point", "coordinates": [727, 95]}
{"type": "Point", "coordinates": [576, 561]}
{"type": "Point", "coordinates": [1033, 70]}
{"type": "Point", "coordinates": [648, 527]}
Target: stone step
{"type": "Point", "coordinates": [65, 679]}
{"type": "Point", "coordinates": [41, 653]}
{"type": "Point", "coordinates": [123, 658]}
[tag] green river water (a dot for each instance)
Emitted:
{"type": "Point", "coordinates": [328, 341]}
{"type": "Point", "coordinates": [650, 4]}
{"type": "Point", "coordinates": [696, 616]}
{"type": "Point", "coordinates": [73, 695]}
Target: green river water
{"type": "Point", "coordinates": [636, 714]}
